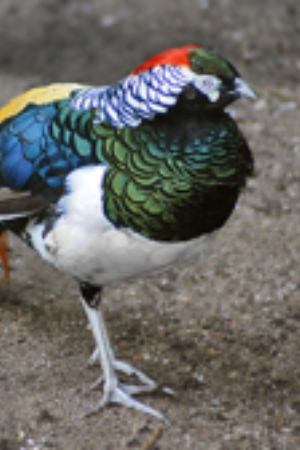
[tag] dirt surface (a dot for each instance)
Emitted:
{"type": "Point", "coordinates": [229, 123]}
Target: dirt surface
{"type": "Point", "coordinates": [224, 332]}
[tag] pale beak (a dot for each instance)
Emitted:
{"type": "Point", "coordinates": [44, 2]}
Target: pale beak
{"type": "Point", "coordinates": [243, 89]}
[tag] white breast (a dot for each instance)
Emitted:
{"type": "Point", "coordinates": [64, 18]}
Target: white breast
{"type": "Point", "coordinates": [86, 245]}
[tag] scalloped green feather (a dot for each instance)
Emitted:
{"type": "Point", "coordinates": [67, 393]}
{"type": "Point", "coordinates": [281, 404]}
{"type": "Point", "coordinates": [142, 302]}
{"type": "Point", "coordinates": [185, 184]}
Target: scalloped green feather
{"type": "Point", "coordinates": [82, 145]}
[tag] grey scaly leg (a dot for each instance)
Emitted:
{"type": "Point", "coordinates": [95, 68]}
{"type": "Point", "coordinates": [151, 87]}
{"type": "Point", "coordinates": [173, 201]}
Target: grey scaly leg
{"type": "Point", "coordinates": [114, 391]}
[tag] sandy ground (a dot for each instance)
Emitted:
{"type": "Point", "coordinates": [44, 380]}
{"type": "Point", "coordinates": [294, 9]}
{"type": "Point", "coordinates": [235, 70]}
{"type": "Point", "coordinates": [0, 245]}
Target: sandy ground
{"type": "Point", "coordinates": [224, 332]}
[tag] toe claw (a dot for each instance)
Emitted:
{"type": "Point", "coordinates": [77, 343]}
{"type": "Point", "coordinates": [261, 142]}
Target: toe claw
{"type": "Point", "coordinates": [97, 383]}
{"type": "Point", "coordinates": [94, 358]}
{"type": "Point", "coordinates": [168, 391]}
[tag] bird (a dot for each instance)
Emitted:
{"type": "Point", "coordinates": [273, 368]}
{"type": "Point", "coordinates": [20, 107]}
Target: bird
{"type": "Point", "coordinates": [109, 183]}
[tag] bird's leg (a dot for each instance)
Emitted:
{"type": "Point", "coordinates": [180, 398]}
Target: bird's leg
{"type": "Point", "coordinates": [114, 391]}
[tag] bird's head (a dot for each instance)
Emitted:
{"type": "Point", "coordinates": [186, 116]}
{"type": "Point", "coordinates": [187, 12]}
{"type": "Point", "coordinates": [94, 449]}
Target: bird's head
{"type": "Point", "coordinates": [213, 81]}
{"type": "Point", "coordinates": [197, 79]}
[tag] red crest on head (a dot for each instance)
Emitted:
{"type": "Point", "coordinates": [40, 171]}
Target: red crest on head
{"type": "Point", "coordinates": [173, 56]}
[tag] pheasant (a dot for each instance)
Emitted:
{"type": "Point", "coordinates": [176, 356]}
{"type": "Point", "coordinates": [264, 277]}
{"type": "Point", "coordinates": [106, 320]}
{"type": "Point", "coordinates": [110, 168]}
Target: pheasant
{"type": "Point", "coordinates": [109, 183]}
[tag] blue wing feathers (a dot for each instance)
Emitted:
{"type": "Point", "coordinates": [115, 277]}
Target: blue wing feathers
{"type": "Point", "coordinates": [16, 170]}
{"type": "Point", "coordinates": [41, 145]}
{"type": "Point", "coordinates": [21, 122]}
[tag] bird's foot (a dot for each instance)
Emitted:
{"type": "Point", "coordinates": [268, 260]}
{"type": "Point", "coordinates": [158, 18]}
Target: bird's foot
{"type": "Point", "coordinates": [147, 383]}
{"type": "Point", "coordinates": [120, 393]}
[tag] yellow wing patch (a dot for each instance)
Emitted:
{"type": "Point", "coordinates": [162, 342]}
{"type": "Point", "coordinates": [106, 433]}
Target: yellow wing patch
{"type": "Point", "coordinates": [38, 96]}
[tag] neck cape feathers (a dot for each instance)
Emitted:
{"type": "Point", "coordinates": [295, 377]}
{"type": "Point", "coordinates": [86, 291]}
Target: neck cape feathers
{"type": "Point", "coordinates": [137, 97]}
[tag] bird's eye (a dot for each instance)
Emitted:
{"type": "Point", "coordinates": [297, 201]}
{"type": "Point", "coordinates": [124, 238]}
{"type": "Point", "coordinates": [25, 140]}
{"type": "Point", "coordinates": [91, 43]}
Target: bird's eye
{"type": "Point", "coordinates": [198, 66]}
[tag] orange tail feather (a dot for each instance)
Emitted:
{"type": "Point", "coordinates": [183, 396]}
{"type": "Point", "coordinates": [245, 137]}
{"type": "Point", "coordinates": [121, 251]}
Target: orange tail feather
{"type": "Point", "coordinates": [4, 250]}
